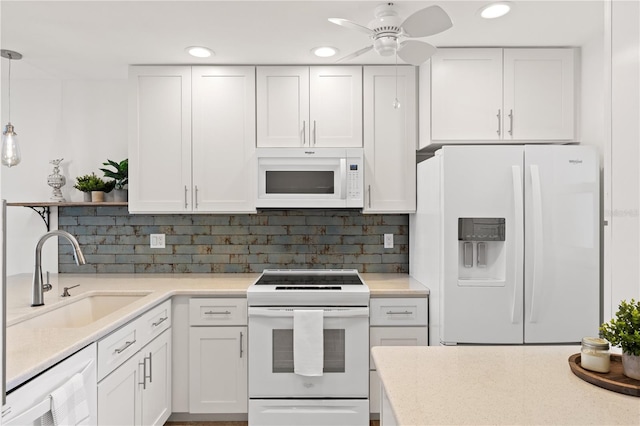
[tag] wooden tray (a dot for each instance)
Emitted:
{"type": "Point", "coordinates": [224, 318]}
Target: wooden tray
{"type": "Point", "coordinates": [614, 380]}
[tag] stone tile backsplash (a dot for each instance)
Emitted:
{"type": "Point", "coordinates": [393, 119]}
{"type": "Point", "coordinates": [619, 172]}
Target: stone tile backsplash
{"type": "Point", "coordinates": [114, 241]}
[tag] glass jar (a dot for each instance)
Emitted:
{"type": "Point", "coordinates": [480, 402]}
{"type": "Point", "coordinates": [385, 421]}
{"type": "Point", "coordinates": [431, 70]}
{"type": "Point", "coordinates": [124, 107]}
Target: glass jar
{"type": "Point", "coordinates": [595, 354]}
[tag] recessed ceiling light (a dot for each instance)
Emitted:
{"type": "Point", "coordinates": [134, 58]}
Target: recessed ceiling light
{"type": "Point", "coordinates": [324, 51]}
{"type": "Point", "coordinates": [199, 51]}
{"type": "Point", "coordinates": [495, 10]}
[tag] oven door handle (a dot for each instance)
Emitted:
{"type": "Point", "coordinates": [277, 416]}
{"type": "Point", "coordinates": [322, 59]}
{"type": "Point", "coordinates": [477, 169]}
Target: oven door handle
{"type": "Point", "coordinates": [328, 313]}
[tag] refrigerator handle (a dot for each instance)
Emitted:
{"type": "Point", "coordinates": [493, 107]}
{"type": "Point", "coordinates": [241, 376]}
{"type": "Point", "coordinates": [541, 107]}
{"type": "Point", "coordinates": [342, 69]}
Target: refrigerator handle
{"type": "Point", "coordinates": [518, 209]}
{"type": "Point", "coordinates": [537, 239]}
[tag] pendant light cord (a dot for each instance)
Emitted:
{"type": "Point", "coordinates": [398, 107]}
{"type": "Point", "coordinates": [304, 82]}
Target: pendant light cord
{"type": "Point", "coordinates": [9, 91]}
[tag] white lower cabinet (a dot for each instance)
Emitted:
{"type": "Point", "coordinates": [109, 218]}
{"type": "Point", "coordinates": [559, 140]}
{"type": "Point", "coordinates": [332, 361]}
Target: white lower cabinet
{"type": "Point", "coordinates": [218, 370]}
{"type": "Point", "coordinates": [218, 356]}
{"type": "Point", "coordinates": [139, 392]}
{"type": "Point", "coordinates": [394, 322]}
{"type": "Point", "coordinates": [136, 390]}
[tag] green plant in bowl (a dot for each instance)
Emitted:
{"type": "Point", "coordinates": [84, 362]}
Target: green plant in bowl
{"type": "Point", "coordinates": [121, 173]}
{"type": "Point", "coordinates": [91, 182]}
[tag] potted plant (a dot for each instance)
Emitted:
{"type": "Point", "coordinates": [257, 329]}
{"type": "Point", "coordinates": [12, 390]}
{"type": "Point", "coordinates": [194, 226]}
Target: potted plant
{"type": "Point", "coordinates": [624, 331]}
{"type": "Point", "coordinates": [120, 177]}
{"type": "Point", "coordinates": [94, 185]}
{"type": "Point", "coordinates": [83, 185]}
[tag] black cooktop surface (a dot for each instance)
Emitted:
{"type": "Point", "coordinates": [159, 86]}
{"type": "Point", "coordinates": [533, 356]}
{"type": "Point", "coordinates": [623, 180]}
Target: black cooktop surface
{"type": "Point", "coordinates": [311, 280]}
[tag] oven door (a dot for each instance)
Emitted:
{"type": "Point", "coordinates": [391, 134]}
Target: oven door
{"type": "Point", "coordinates": [346, 355]}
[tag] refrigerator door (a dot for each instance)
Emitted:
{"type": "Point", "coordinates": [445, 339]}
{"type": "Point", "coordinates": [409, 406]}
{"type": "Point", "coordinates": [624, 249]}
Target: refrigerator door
{"type": "Point", "coordinates": [481, 302]}
{"type": "Point", "coordinates": [562, 276]}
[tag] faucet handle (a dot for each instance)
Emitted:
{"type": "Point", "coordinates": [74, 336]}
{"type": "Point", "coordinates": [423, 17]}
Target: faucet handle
{"type": "Point", "coordinates": [65, 291]}
{"type": "Point", "coordinates": [47, 286]}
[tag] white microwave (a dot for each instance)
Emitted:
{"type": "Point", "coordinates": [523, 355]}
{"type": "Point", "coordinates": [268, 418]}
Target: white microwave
{"type": "Point", "coordinates": [310, 178]}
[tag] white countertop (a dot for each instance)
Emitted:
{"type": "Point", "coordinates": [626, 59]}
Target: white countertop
{"type": "Point", "coordinates": [31, 351]}
{"type": "Point", "coordinates": [501, 385]}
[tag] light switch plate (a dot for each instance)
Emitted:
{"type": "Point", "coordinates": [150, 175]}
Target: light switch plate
{"type": "Point", "coordinates": [157, 241]}
{"type": "Point", "coordinates": [388, 240]}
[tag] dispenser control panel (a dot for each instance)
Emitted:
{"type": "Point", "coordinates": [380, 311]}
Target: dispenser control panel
{"type": "Point", "coordinates": [481, 229]}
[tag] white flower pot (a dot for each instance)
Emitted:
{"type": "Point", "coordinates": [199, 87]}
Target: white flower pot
{"type": "Point", "coordinates": [631, 365]}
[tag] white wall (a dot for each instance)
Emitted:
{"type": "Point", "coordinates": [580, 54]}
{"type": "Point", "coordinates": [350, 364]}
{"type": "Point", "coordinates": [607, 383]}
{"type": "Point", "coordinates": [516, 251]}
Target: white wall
{"type": "Point", "coordinates": [622, 155]}
{"type": "Point", "coordinates": [84, 122]}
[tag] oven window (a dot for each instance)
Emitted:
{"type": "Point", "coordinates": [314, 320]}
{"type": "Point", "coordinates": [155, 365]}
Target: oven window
{"type": "Point", "coordinates": [334, 345]}
{"type": "Point", "coordinates": [299, 182]}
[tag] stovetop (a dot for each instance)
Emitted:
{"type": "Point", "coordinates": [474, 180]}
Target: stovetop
{"type": "Point", "coordinates": [308, 287]}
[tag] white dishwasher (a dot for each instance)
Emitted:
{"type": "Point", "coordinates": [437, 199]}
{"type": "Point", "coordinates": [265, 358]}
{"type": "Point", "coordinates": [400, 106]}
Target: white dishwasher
{"type": "Point", "coordinates": [31, 403]}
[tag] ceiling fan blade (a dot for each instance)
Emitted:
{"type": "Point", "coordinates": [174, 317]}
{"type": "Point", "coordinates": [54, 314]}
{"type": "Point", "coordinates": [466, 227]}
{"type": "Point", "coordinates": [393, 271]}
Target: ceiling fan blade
{"type": "Point", "coordinates": [352, 25]}
{"type": "Point", "coordinates": [355, 54]}
{"type": "Point", "coordinates": [425, 22]}
{"type": "Point", "coordinates": [415, 52]}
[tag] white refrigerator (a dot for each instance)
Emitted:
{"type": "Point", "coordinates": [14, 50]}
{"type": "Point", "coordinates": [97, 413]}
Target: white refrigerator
{"type": "Point", "coordinates": [507, 240]}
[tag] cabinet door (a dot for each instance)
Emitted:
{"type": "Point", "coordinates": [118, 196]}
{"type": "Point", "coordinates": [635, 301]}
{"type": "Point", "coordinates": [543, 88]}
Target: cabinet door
{"type": "Point", "coordinates": [118, 395]}
{"type": "Point", "coordinates": [466, 94]}
{"type": "Point", "coordinates": [390, 140]}
{"type": "Point", "coordinates": [282, 98]}
{"type": "Point", "coordinates": [539, 94]}
{"type": "Point", "coordinates": [155, 394]}
{"type": "Point", "coordinates": [335, 112]}
{"type": "Point", "coordinates": [224, 139]}
{"type": "Point", "coordinates": [159, 139]}
{"type": "Point", "coordinates": [390, 336]}
{"type": "Point", "coordinates": [218, 370]}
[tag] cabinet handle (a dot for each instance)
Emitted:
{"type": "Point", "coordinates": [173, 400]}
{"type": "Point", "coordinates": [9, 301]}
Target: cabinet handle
{"type": "Point", "coordinates": [196, 197]}
{"type": "Point", "coordinates": [185, 197]}
{"type": "Point", "coordinates": [499, 122]}
{"type": "Point", "coordinates": [144, 373]}
{"type": "Point", "coordinates": [126, 345]}
{"type": "Point", "coordinates": [315, 135]}
{"type": "Point", "coordinates": [369, 195]}
{"type": "Point", "coordinates": [241, 350]}
{"type": "Point", "coordinates": [511, 122]}
{"type": "Point", "coordinates": [304, 132]}
{"type": "Point", "coordinates": [217, 313]}
{"type": "Point", "coordinates": [160, 321]}
{"type": "Point", "coordinates": [150, 367]}
{"type": "Point", "coordinates": [399, 313]}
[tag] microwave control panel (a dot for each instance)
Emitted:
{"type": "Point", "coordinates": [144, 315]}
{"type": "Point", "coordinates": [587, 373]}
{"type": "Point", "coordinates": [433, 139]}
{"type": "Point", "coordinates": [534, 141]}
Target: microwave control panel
{"type": "Point", "coordinates": [354, 179]}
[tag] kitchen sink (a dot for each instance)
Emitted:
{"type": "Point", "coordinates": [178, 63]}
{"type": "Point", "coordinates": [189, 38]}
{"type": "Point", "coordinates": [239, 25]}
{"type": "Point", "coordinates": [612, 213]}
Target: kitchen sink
{"type": "Point", "coordinates": [81, 311]}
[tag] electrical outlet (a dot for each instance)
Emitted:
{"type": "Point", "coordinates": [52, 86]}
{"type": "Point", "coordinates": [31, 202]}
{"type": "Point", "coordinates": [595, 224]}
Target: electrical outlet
{"type": "Point", "coordinates": [388, 240]}
{"type": "Point", "coordinates": [157, 241]}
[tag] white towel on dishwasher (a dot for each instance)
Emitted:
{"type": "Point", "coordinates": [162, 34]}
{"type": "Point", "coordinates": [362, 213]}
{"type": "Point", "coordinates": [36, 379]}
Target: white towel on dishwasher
{"type": "Point", "coordinates": [308, 342]}
{"type": "Point", "coordinates": [69, 404]}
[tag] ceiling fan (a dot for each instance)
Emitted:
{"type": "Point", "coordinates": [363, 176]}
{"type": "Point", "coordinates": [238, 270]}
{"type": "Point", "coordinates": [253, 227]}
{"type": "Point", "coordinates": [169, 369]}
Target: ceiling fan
{"type": "Point", "coordinates": [387, 30]}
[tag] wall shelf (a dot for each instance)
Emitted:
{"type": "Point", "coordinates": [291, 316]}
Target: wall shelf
{"type": "Point", "coordinates": [43, 208]}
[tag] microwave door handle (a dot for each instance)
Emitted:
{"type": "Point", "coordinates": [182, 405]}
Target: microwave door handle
{"type": "Point", "coordinates": [343, 181]}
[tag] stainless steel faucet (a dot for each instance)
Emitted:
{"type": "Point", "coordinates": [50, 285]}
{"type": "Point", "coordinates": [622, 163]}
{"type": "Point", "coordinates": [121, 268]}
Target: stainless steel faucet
{"type": "Point", "coordinates": [37, 296]}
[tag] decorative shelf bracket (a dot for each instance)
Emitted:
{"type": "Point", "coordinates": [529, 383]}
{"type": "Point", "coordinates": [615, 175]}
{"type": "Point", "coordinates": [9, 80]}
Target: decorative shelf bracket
{"type": "Point", "coordinates": [44, 212]}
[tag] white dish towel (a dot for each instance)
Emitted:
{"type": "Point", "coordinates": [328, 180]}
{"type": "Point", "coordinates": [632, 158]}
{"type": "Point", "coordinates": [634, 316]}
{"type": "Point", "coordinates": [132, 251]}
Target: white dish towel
{"type": "Point", "coordinates": [308, 342]}
{"type": "Point", "coordinates": [69, 404]}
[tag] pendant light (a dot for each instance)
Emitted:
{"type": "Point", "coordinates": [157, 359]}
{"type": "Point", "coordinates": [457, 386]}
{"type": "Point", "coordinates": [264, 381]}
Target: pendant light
{"type": "Point", "coordinates": [10, 150]}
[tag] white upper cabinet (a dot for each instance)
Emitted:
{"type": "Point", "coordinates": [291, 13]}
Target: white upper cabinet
{"type": "Point", "coordinates": [224, 139]}
{"type": "Point", "coordinates": [389, 139]}
{"type": "Point", "coordinates": [309, 106]}
{"type": "Point", "coordinates": [159, 138]}
{"type": "Point", "coordinates": [466, 94]}
{"type": "Point", "coordinates": [493, 94]}
{"type": "Point", "coordinates": [192, 139]}
{"type": "Point", "coordinates": [539, 94]}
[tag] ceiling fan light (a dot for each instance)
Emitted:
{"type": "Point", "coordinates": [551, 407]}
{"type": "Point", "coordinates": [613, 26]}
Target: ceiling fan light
{"type": "Point", "coordinates": [199, 51]}
{"type": "Point", "coordinates": [495, 10]}
{"type": "Point", "coordinates": [385, 46]}
{"type": "Point", "coordinates": [324, 51]}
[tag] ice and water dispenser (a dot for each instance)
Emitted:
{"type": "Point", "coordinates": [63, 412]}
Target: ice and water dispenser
{"type": "Point", "coordinates": [481, 249]}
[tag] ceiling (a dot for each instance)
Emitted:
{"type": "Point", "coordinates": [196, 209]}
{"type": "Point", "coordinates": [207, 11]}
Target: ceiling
{"type": "Point", "coordinates": [98, 39]}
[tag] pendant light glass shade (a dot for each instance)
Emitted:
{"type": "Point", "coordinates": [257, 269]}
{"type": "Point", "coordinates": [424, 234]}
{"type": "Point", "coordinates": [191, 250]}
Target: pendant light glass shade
{"type": "Point", "coordinates": [10, 148]}
{"type": "Point", "coordinates": [10, 153]}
